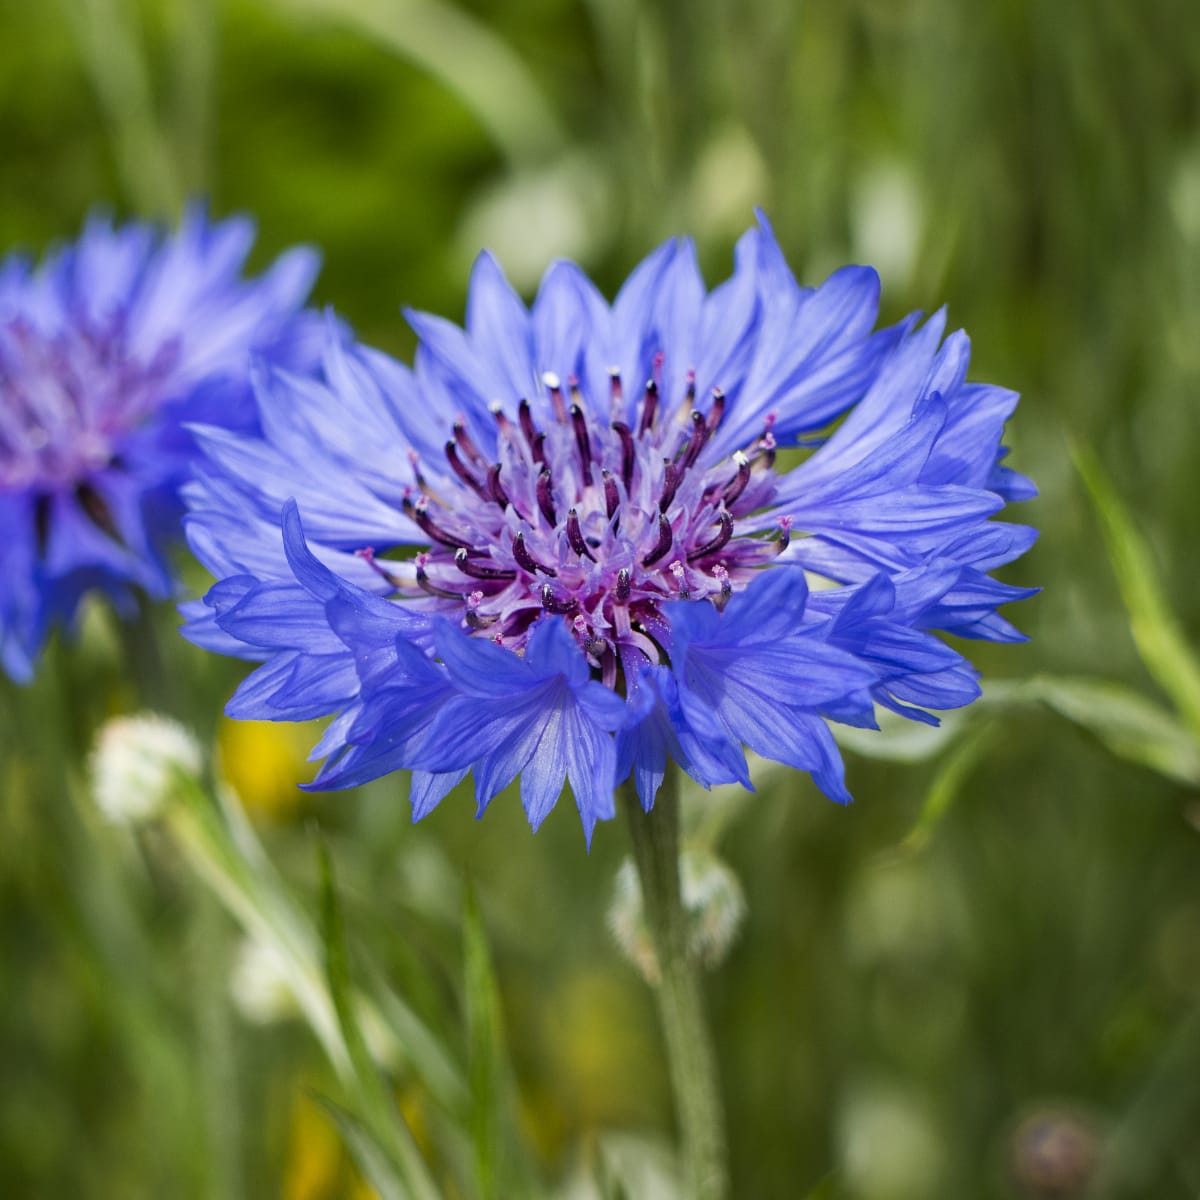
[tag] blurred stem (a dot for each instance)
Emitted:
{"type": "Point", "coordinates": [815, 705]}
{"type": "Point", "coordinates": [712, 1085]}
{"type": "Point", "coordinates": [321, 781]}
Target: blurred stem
{"type": "Point", "coordinates": [690, 1056]}
{"type": "Point", "coordinates": [107, 37]}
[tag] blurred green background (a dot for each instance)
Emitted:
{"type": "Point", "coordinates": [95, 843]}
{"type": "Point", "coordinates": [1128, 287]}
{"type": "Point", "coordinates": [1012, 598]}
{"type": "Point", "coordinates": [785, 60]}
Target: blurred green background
{"type": "Point", "coordinates": [981, 980]}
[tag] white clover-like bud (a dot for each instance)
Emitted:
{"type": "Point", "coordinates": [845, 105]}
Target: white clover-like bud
{"type": "Point", "coordinates": [713, 904]}
{"type": "Point", "coordinates": [259, 984]}
{"type": "Point", "coordinates": [136, 765]}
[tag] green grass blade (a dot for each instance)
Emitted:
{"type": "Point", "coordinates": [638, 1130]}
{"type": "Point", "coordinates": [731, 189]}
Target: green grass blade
{"type": "Point", "coordinates": [1130, 725]}
{"type": "Point", "coordinates": [465, 55]}
{"type": "Point", "coordinates": [1156, 632]}
{"type": "Point", "coordinates": [483, 1047]}
{"type": "Point", "coordinates": [381, 1118]}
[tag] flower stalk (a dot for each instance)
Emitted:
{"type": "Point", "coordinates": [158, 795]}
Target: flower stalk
{"type": "Point", "coordinates": [690, 1056]}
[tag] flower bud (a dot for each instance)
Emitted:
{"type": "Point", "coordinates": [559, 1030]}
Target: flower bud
{"type": "Point", "coordinates": [259, 985]}
{"type": "Point", "coordinates": [1055, 1152]}
{"type": "Point", "coordinates": [713, 906]}
{"type": "Point", "coordinates": [137, 764]}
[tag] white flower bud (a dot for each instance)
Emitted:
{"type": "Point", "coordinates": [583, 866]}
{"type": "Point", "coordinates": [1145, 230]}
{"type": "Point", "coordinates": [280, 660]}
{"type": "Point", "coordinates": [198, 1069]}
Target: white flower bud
{"type": "Point", "coordinates": [259, 984]}
{"type": "Point", "coordinates": [712, 901]}
{"type": "Point", "coordinates": [136, 765]}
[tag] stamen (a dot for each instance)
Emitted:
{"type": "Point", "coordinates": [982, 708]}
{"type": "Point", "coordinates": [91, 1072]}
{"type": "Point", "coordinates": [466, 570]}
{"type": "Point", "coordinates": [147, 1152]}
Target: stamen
{"type": "Point", "coordinates": [663, 544]}
{"type": "Point", "coordinates": [690, 391]}
{"type": "Point", "coordinates": [785, 532]}
{"type": "Point", "coordinates": [676, 569]}
{"type": "Point", "coordinates": [464, 440]}
{"type": "Point", "coordinates": [696, 443]}
{"type": "Point", "coordinates": [495, 488]}
{"type": "Point", "coordinates": [721, 575]}
{"type": "Point", "coordinates": [525, 420]}
{"type": "Point", "coordinates": [649, 407]}
{"type": "Point", "coordinates": [719, 539]}
{"type": "Point", "coordinates": [428, 586]}
{"type": "Point", "coordinates": [717, 411]}
{"type": "Point", "coordinates": [624, 585]}
{"type": "Point", "coordinates": [526, 561]}
{"type": "Point", "coordinates": [419, 513]}
{"type": "Point", "coordinates": [460, 469]}
{"type": "Point", "coordinates": [616, 392]}
{"type": "Point", "coordinates": [502, 422]}
{"type": "Point", "coordinates": [474, 618]}
{"type": "Point", "coordinates": [477, 570]}
{"type": "Point", "coordinates": [672, 474]}
{"type": "Point", "coordinates": [575, 536]}
{"type": "Point", "coordinates": [552, 603]}
{"type": "Point", "coordinates": [627, 451]}
{"type": "Point", "coordinates": [545, 498]}
{"type": "Point", "coordinates": [579, 421]}
{"type": "Point", "coordinates": [367, 554]}
{"type": "Point", "coordinates": [538, 449]}
{"type": "Point", "coordinates": [612, 498]}
{"type": "Point", "coordinates": [737, 485]}
{"type": "Point", "coordinates": [554, 386]}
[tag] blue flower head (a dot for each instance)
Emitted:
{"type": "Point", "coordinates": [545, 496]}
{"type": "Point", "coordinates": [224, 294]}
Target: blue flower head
{"type": "Point", "coordinates": [108, 349]}
{"type": "Point", "coordinates": [568, 545]}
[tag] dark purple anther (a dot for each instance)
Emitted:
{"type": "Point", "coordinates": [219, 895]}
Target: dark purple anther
{"type": "Point", "coordinates": [690, 393]}
{"type": "Point", "coordinates": [624, 585]}
{"type": "Point", "coordinates": [696, 442]}
{"type": "Point", "coordinates": [671, 477]}
{"type": "Point", "coordinates": [460, 469]}
{"type": "Point", "coordinates": [627, 452]}
{"type": "Point", "coordinates": [737, 485]}
{"type": "Point", "coordinates": [612, 498]}
{"type": "Point", "coordinates": [663, 544]}
{"type": "Point", "coordinates": [717, 411]}
{"type": "Point", "coordinates": [551, 603]}
{"type": "Point", "coordinates": [525, 420]}
{"type": "Point", "coordinates": [545, 498]}
{"type": "Point", "coordinates": [495, 488]}
{"type": "Point", "coordinates": [554, 386]}
{"type": "Point", "coordinates": [539, 449]}
{"type": "Point", "coordinates": [502, 422]}
{"type": "Point", "coordinates": [575, 536]}
{"type": "Point", "coordinates": [476, 620]}
{"type": "Point", "coordinates": [526, 561]}
{"type": "Point", "coordinates": [649, 408]}
{"type": "Point", "coordinates": [579, 421]}
{"type": "Point", "coordinates": [419, 513]}
{"type": "Point", "coordinates": [468, 447]}
{"type": "Point", "coordinates": [428, 586]}
{"type": "Point", "coordinates": [615, 390]}
{"type": "Point", "coordinates": [718, 540]}
{"type": "Point", "coordinates": [477, 570]}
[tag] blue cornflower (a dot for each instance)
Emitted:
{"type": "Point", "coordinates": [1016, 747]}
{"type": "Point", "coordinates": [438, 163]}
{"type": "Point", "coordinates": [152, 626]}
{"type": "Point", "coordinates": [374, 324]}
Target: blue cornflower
{"type": "Point", "coordinates": [108, 349]}
{"type": "Point", "coordinates": [512, 561]}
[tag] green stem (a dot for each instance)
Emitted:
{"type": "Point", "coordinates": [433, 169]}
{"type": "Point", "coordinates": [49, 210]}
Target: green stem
{"type": "Point", "coordinates": [690, 1056]}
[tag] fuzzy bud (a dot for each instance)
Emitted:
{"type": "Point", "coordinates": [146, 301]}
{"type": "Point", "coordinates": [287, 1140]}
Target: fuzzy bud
{"type": "Point", "coordinates": [136, 765]}
{"type": "Point", "coordinates": [713, 904]}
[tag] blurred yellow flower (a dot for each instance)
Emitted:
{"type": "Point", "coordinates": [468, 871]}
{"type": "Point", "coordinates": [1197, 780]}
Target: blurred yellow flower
{"type": "Point", "coordinates": [265, 762]}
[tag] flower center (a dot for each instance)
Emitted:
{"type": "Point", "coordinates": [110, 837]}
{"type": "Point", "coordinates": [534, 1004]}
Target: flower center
{"type": "Point", "coordinates": [601, 521]}
{"type": "Point", "coordinates": [66, 399]}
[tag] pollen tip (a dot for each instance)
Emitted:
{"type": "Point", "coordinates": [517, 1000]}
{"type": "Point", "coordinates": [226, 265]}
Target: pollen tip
{"type": "Point", "coordinates": [551, 380]}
